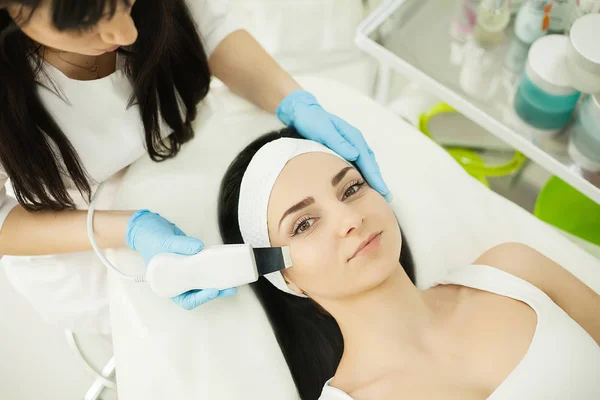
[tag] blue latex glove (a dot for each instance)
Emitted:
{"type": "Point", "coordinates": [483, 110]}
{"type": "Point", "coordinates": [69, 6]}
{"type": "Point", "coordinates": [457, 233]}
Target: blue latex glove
{"type": "Point", "coordinates": [150, 234]}
{"type": "Point", "coordinates": [301, 110]}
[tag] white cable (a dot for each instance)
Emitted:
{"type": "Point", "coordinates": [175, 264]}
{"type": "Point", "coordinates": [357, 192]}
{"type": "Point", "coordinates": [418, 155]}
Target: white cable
{"type": "Point", "coordinates": [90, 232]}
{"type": "Point", "coordinates": [75, 348]}
{"type": "Point", "coordinates": [98, 387]}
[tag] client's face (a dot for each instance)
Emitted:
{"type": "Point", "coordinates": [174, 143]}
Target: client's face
{"type": "Point", "coordinates": [344, 238]}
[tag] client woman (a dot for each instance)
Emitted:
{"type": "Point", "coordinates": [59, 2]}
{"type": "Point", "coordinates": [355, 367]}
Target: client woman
{"type": "Point", "coordinates": [514, 325]}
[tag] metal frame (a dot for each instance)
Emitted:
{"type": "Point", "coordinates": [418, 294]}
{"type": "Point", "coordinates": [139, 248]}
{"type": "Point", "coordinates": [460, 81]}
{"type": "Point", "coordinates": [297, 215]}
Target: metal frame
{"type": "Point", "coordinates": [389, 61]}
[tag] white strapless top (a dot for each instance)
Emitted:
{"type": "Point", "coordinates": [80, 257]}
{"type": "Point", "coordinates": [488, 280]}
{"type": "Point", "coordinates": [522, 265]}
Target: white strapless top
{"type": "Point", "coordinates": [562, 362]}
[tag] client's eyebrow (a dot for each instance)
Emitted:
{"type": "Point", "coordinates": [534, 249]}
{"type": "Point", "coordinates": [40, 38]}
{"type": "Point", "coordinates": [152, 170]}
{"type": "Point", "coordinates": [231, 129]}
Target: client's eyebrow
{"type": "Point", "coordinates": [340, 175]}
{"type": "Point", "coordinates": [297, 207]}
{"type": "Point", "coordinates": [310, 200]}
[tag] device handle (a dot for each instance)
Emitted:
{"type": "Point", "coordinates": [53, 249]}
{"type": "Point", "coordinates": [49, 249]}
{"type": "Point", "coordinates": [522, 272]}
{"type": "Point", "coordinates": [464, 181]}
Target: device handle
{"type": "Point", "coordinates": [215, 267]}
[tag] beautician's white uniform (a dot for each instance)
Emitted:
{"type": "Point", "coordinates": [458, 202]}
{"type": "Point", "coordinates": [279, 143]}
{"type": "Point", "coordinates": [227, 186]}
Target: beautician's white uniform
{"type": "Point", "coordinates": [563, 361]}
{"type": "Point", "coordinates": [70, 290]}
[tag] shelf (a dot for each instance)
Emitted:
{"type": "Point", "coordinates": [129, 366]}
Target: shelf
{"type": "Point", "coordinates": [413, 38]}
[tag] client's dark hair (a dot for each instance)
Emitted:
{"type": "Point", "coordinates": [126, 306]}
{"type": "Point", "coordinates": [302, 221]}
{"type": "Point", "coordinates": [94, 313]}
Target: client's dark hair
{"type": "Point", "coordinates": [310, 338]}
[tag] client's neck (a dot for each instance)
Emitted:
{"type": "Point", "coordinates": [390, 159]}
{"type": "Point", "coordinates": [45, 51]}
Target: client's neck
{"type": "Point", "coordinates": [382, 326]}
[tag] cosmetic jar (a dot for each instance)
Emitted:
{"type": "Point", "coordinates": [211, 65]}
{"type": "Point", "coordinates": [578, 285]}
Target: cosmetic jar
{"type": "Point", "coordinates": [584, 135]}
{"type": "Point", "coordinates": [545, 98]}
{"type": "Point", "coordinates": [583, 58]}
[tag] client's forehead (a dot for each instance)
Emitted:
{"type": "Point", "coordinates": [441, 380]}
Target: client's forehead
{"type": "Point", "coordinates": [305, 175]}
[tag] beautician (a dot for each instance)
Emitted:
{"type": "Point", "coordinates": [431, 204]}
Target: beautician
{"type": "Point", "coordinates": [89, 86]}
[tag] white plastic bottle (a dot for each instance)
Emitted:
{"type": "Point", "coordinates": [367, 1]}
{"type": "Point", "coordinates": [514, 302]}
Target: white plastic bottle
{"type": "Point", "coordinates": [465, 19]}
{"type": "Point", "coordinates": [533, 20]}
{"type": "Point", "coordinates": [493, 16]}
{"type": "Point", "coordinates": [561, 14]}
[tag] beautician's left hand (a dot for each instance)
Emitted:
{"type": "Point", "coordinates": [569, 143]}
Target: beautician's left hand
{"type": "Point", "coordinates": [301, 110]}
{"type": "Point", "coordinates": [150, 234]}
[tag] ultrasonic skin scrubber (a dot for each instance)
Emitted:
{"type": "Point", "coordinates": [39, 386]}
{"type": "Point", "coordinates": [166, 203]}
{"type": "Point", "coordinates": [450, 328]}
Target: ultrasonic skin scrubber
{"type": "Point", "coordinates": [218, 267]}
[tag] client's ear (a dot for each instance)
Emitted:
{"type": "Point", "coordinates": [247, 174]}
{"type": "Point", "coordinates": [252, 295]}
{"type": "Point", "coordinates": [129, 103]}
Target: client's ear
{"type": "Point", "coordinates": [292, 285]}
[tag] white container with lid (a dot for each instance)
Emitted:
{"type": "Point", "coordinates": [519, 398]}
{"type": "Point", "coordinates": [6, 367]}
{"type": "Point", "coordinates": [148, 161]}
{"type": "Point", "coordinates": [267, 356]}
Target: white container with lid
{"type": "Point", "coordinates": [546, 67]}
{"type": "Point", "coordinates": [584, 135]}
{"type": "Point", "coordinates": [545, 98]}
{"type": "Point", "coordinates": [583, 59]}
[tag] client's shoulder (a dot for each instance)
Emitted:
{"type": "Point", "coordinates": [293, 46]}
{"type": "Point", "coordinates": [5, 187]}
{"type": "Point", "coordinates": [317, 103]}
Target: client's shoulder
{"type": "Point", "coordinates": [508, 252]}
{"type": "Point", "coordinates": [534, 267]}
{"type": "Point", "coordinates": [565, 289]}
{"type": "Point", "coordinates": [519, 260]}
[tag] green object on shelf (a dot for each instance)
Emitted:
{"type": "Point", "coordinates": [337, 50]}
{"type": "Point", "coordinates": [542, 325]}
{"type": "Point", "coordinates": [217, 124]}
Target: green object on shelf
{"type": "Point", "coordinates": [559, 205]}
{"type": "Point", "coordinates": [468, 159]}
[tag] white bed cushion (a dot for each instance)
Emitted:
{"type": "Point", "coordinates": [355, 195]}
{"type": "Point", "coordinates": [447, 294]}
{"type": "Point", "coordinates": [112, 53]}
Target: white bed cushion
{"type": "Point", "coordinates": [225, 349]}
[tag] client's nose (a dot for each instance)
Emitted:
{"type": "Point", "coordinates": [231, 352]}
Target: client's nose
{"type": "Point", "coordinates": [350, 220]}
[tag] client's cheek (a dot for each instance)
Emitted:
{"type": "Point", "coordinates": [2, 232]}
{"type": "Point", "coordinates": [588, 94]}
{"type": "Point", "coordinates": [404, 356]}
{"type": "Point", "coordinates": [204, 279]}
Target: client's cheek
{"type": "Point", "coordinates": [307, 263]}
{"type": "Point", "coordinates": [312, 257]}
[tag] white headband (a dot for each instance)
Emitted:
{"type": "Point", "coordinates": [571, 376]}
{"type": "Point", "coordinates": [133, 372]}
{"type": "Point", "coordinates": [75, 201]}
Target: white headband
{"type": "Point", "coordinates": [256, 187]}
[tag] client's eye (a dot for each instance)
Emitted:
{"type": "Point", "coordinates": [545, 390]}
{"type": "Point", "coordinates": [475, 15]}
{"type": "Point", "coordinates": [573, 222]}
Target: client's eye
{"type": "Point", "coordinates": [302, 225]}
{"type": "Point", "coordinates": [354, 188]}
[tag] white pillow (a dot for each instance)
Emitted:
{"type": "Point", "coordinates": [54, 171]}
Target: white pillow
{"type": "Point", "coordinates": [226, 349]}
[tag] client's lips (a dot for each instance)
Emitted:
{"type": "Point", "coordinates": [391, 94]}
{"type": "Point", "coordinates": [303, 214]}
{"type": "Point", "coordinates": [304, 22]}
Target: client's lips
{"type": "Point", "coordinates": [369, 244]}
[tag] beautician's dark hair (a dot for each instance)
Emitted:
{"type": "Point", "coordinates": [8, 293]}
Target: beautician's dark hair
{"type": "Point", "coordinates": [167, 59]}
{"type": "Point", "coordinates": [309, 337]}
